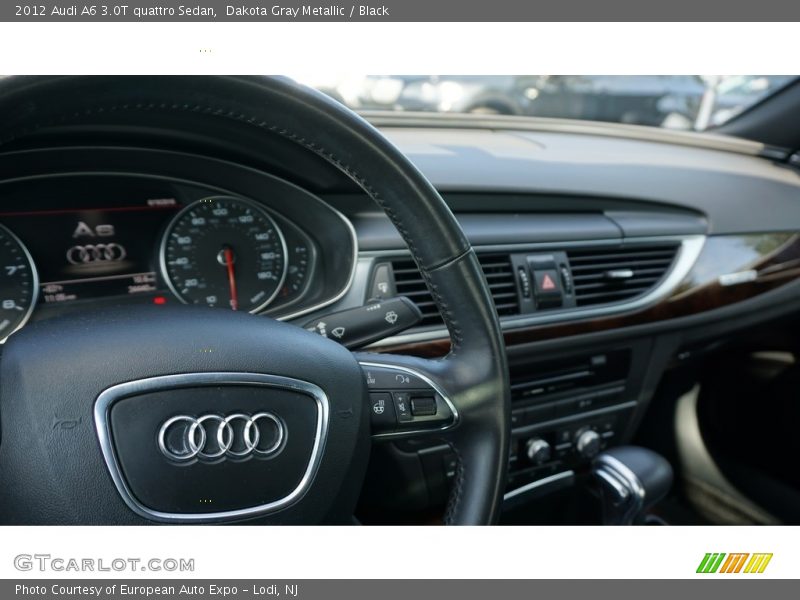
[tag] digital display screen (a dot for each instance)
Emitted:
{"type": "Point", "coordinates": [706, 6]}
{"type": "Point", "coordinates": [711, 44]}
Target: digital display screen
{"type": "Point", "coordinates": [84, 253]}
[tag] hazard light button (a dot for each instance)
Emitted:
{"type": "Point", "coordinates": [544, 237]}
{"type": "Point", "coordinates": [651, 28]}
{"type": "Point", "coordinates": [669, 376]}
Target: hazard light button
{"type": "Point", "coordinates": [547, 288]}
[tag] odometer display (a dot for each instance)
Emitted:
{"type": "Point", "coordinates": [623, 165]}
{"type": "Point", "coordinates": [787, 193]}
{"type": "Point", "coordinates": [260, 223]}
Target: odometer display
{"type": "Point", "coordinates": [224, 252]}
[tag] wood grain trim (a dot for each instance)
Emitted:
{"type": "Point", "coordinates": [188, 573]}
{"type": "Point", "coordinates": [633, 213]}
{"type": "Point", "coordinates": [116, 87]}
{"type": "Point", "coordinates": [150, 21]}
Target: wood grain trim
{"type": "Point", "coordinates": [762, 262]}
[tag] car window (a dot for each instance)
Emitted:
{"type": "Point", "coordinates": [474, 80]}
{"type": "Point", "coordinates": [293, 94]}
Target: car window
{"type": "Point", "coordinates": [689, 102]}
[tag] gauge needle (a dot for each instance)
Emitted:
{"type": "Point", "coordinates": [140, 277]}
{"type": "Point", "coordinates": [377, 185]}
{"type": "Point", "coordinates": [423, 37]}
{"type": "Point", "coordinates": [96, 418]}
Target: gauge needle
{"type": "Point", "coordinates": [228, 253]}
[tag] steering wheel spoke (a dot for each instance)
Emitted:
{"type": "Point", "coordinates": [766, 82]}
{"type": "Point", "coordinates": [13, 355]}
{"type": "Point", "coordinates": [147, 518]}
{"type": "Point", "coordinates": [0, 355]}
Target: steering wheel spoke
{"type": "Point", "coordinates": [463, 419]}
{"type": "Point", "coordinates": [474, 380]}
{"type": "Point", "coordinates": [408, 396]}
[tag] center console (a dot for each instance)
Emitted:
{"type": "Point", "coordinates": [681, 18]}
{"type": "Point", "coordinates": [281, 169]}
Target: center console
{"type": "Point", "coordinates": [567, 410]}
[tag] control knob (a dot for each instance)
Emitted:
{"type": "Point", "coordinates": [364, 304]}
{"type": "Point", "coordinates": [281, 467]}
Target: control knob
{"type": "Point", "coordinates": [538, 450]}
{"type": "Point", "coordinates": [587, 443]}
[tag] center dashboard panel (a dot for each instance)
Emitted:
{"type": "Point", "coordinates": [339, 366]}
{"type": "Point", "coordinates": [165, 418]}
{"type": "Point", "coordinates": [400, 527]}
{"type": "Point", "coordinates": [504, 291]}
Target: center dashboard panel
{"type": "Point", "coordinates": [211, 234]}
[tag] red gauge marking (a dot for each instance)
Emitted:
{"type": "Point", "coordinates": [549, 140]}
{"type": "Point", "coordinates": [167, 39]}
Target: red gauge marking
{"type": "Point", "coordinates": [228, 253]}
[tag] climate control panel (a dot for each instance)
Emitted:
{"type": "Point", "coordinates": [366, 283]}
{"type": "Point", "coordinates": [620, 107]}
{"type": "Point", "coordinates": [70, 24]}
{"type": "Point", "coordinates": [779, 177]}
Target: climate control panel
{"type": "Point", "coordinates": [567, 446]}
{"type": "Point", "coordinates": [565, 411]}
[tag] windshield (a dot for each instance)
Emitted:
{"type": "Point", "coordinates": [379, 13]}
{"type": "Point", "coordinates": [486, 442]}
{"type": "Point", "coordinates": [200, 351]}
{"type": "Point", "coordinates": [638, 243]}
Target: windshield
{"type": "Point", "coordinates": [689, 102]}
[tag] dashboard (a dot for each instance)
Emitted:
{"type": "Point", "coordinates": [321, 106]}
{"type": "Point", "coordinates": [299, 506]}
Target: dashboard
{"type": "Point", "coordinates": [650, 250]}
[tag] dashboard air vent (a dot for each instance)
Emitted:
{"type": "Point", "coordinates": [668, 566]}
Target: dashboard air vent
{"type": "Point", "coordinates": [615, 275]}
{"type": "Point", "coordinates": [497, 268]}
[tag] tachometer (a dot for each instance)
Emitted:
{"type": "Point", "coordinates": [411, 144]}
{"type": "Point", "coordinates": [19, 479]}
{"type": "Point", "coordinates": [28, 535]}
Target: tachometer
{"type": "Point", "coordinates": [224, 252]}
{"type": "Point", "coordinates": [18, 283]}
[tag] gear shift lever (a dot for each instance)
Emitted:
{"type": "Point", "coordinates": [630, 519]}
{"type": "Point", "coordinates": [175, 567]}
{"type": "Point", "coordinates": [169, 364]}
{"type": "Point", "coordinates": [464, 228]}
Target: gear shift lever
{"type": "Point", "coordinates": [632, 480]}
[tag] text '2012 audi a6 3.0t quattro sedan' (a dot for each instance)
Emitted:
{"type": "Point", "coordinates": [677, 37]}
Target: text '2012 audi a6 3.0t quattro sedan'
{"type": "Point", "coordinates": [386, 301]}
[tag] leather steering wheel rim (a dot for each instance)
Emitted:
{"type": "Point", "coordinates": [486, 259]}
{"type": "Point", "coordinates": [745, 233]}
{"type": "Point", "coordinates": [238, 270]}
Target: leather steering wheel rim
{"type": "Point", "coordinates": [474, 373]}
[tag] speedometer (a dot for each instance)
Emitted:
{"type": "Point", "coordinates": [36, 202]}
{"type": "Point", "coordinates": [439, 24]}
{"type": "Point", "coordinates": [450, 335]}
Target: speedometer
{"type": "Point", "coordinates": [18, 284]}
{"type": "Point", "coordinates": [224, 252]}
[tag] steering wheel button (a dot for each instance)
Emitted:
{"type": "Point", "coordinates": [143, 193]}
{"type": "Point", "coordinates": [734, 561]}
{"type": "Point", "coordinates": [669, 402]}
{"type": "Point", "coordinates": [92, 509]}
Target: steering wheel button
{"type": "Point", "coordinates": [379, 378]}
{"type": "Point", "coordinates": [402, 404]}
{"type": "Point", "coordinates": [423, 407]}
{"type": "Point", "coordinates": [382, 413]}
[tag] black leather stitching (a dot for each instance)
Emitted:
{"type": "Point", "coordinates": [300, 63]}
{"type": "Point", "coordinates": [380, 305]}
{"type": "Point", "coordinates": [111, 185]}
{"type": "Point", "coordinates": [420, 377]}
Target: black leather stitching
{"type": "Point", "coordinates": [456, 494]}
{"type": "Point", "coordinates": [451, 323]}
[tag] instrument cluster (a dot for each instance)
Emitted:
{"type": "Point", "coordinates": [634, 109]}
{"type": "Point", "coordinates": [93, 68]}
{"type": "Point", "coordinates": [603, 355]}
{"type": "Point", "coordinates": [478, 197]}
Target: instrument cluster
{"type": "Point", "coordinates": [72, 241]}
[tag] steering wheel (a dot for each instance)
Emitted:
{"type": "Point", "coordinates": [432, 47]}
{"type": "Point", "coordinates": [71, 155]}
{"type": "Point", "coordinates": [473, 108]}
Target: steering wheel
{"type": "Point", "coordinates": [115, 376]}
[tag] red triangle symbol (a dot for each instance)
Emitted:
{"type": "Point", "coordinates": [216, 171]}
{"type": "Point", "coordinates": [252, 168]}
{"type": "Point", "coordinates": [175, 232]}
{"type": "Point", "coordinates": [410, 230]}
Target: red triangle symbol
{"type": "Point", "coordinates": [548, 283]}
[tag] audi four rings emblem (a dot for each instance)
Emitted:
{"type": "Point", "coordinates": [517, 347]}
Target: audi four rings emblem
{"type": "Point", "coordinates": [96, 253]}
{"type": "Point", "coordinates": [213, 437]}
